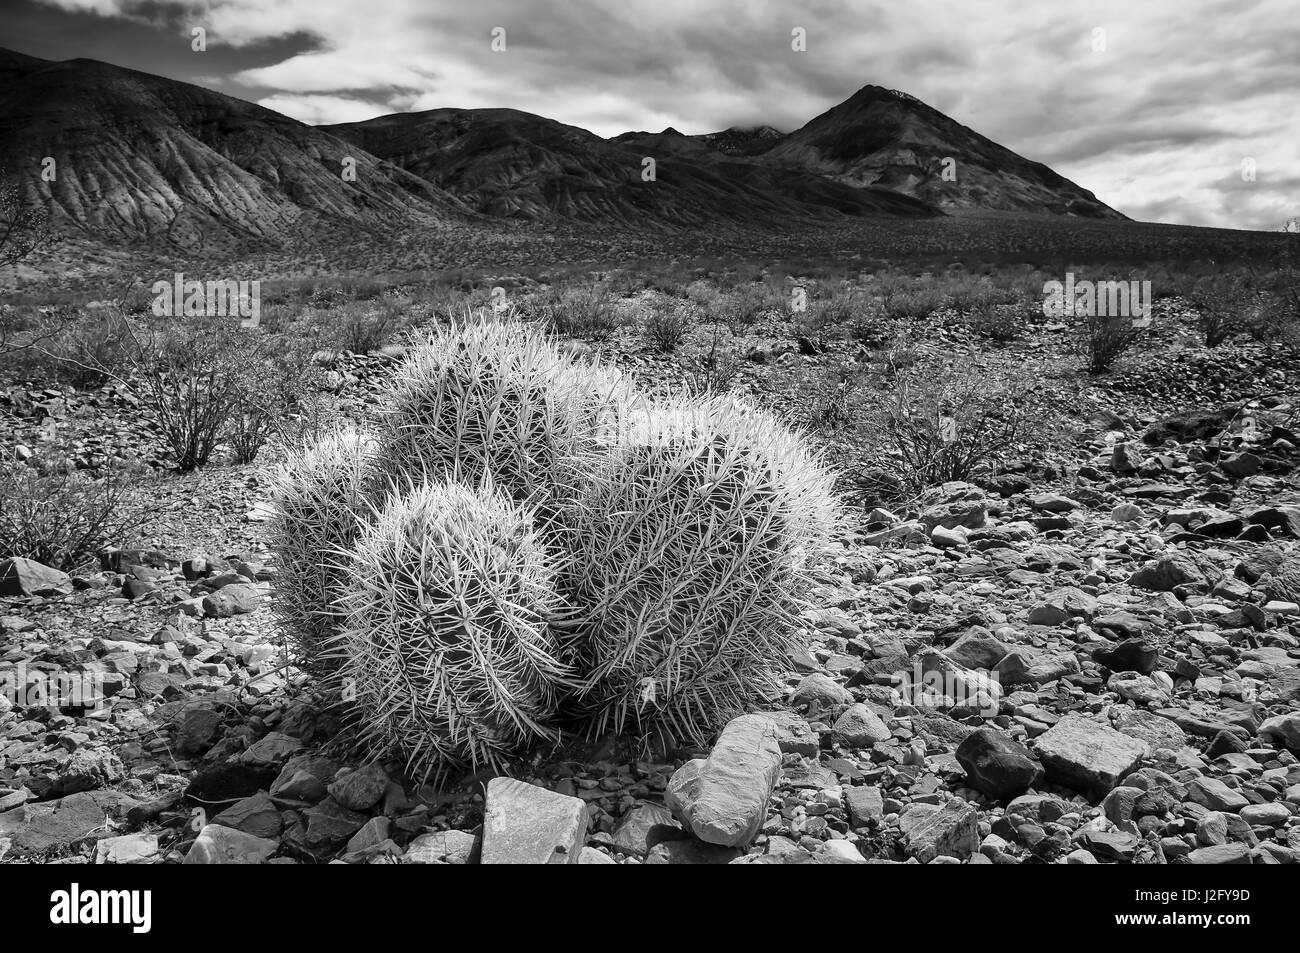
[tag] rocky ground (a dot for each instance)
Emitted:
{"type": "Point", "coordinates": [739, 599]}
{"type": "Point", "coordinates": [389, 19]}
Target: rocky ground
{"type": "Point", "coordinates": [1093, 662]}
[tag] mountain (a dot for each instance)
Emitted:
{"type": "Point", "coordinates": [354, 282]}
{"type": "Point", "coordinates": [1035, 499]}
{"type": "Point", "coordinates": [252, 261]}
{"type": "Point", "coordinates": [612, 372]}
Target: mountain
{"type": "Point", "coordinates": [881, 137]}
{"type": "Point", "coordinates": [513, 164]}
{"type": "Point", "coordinates": [752, 141]}
{"type": "Point", "coordinates": [139, 156]}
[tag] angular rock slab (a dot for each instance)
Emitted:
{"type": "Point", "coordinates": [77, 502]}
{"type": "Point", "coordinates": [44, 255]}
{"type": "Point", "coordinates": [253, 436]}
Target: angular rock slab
{"type": "Point", "coordinates": [722, 799]}
{"type": "Point", "coordinates": [225, 845]}
{"type": "Point", "coordinates": [949, 831]}
{"type": "Point", "coordinates": [1084, 755]}
{"type": "Point", "coordinates": [527, 824]}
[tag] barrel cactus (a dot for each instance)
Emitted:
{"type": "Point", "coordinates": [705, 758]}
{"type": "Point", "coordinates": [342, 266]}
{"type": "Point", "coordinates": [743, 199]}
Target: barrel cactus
{"type": "Point", "coordinates": [688, 538]}
{"type": "Point", "coordinates": [451, 654]}
{"type": "Point", "coordinates": [493, 398]}
{"type": "Point", "coordinates": [321, 496]}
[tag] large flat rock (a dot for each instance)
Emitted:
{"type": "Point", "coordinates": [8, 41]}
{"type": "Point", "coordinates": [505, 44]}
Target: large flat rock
{"type": "Point", "coordinates": [1084, 755]}
{"type": "Point", "coordinates": [527, 824]}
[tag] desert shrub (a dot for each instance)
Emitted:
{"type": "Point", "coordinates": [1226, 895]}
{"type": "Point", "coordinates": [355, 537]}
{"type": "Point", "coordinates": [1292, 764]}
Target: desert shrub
{"type": "Point", "coordinates": [1000, 322]}
{"type": "Point", "coordinates": [744, 304]}
{"type": "Point", "coordinates": [711, 359]}
{"type": "Point", "coordinates": [932, 422]}
{"type": "Point", "coordinates": [824, 318]}
{"type": "Point", "coordinates": [274, 394]}
{"type": "Point", "coordinates": [909, 300]}
{"type": "Point", "coordinates": [824, 398]}
{"type": "Point", "coordinates": [450, 654]}
{"type": "Point", "coordinates": [322, 496]}
{"type": "Point", "coordinates": [1103, 338]}
{"type": "Point", "coordinates": [705, 295]}
{"type": "Point", "coordinates": [492, 398]}
{"type": "Point", "coordinates": [359, 327]}
{"type": "Point", "coordinates": [971, 293]}
{"type": "Point", "coordinates": [687, 538]}
{"type": "Point", "coordinates": [584, 311]}
{"type": "Point", "coordinates": [1222, 302]}
{"type": "Point", "coordinates": [327, 296]}
{"type": "Point", "coordinates": [666, 323]}
{"type": "Point", "coordinates": [1275, 311]}
{"type": "Point", "coordinates": [61, 516]}
{"type": "Point", "coordinates": [67, 345]}
{"type": "Point", "coordinates": [194, 378]}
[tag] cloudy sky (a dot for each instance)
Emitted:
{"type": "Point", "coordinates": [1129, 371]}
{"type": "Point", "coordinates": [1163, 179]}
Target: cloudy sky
{"type": "Point", "coordinates": [1157, 106]}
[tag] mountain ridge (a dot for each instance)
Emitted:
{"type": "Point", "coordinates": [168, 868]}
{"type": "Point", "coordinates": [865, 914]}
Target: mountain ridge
{"type": "Point", "coordinates": [140, 156]}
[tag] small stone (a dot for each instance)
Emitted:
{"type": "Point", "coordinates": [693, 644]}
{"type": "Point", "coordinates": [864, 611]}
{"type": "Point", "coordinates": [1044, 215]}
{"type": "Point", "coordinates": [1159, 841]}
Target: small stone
{"type": "Point", "coordinates": [820, 691]}
{"type": "Point", "coordinates": [127, 849]}
{"type": "Point", "coordinates": [1265, 815]}
{"type": "Point", "coordinates": [997, 765]}
{"type": "Point", "coordinates": [864, 804]}
{"type": "Point", "coordinates": [27, 577]}
{"type": "Point", "coordinates": [441, 847]}
{"type": "Point", "coordinates": [237, 599]}
{"type": "Point", "coordinates": [222, 845]}
{"type": "Point", "coordinates": [254, 815]}
{"type": "Point", "coordinates": [362, 789]}
{"type": "Point", "coordinates": [950, 831]}
{"type": "Point", "coordinates": [1131, 655]}
{"type": "Point", "coordinates": [691, 851]}
{"type": "Point", "coordinates": [1241, 465]}
{"type": "Point", "coordinates": [644, 826]}
{"type": "Point", "coordinates": [527, 824]}
{"type": "Point", "coordinates": [1221, 854]}
{"type": "Point", "coordinates": [860, 727]}
{"type": "Point", "coordinates": [1284, 728]}
{"type": "Point", "coordinates": [1215, 795]}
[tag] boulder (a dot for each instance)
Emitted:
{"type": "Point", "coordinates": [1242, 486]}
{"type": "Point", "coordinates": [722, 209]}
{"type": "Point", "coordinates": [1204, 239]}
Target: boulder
{"type": "Point", "coordinates": [997, 765]}
{"type": "Point", "coordinates": [527, 824]}
{"type": "Point", "coordinates": [27, 577]}
{"type": "Point", "coordinates": [1081, 754]}
{"type": "Point", "coordinates": [722, 799]}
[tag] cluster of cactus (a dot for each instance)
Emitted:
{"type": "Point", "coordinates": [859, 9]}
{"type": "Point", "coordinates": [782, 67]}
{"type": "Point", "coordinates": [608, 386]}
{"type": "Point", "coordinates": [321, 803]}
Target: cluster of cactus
{"type": "Point", "coordinates": [532, 540]}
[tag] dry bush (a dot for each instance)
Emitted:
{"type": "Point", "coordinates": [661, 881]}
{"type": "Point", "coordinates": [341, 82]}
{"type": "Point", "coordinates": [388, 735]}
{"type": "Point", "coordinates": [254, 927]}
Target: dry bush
{"type": "Point", "coordinates": [999, 322]}
{"type": "Point", "coordinates": [359, 327]}
{"type": "Point", "coordinates": [202, 381]}
{"type": "Point", "coordinates": [65, 345]}
{"type": "Point", "coordinates": [1222, 305]}
{"type": "Point", "coordinates": [667, 323]}
{"type": "Point", "coordinates": [1103, 338]}
{"type": "Point", "coordinates": [824, 398]}
{"type": "Point", "coordinates": [61, 516]}
{"type": "Point", "coordinates": [743, 305]}
{"type": "Point", "coordinates": [583, 311]}
{"type": "Point", "coordinates": [277, 394]}
{"type": "Point", "coordinates": [711, 359]}
{"type": "Point", "coordinates": [936, 421]}
{"type": "Point", "coordinates": [909, 300]}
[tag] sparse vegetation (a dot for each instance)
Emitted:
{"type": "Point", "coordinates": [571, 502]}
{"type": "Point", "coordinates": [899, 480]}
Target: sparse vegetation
{"type": "Point", "coordinates": [954, 420]}
{"type": "Point", "coordinates": [667, 322]}
{"type": "Point", "coordinates": [62, 517]}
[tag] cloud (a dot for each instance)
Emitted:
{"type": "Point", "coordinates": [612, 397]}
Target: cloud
{"type": "Point", "coordinates": [1147, 105]}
